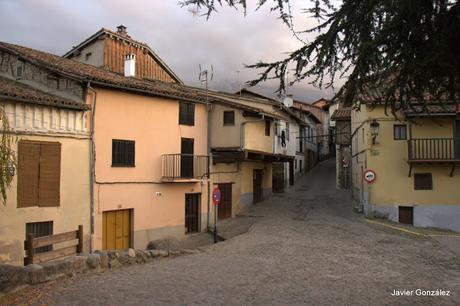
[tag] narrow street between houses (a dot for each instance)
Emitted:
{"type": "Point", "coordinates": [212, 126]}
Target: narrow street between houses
{"type": "Point", "coordinates": [306, 246]}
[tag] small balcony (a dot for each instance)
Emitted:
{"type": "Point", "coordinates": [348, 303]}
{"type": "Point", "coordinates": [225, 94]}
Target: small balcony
{"type": "Point", "coordinates": [184, 167]}
{"type": "Point", "coordinates": [434, 151]}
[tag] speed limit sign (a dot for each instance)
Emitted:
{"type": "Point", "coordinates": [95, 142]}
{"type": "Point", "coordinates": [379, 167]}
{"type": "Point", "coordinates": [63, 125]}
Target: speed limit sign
{"type": "Point", "coordinates": [370, 176]}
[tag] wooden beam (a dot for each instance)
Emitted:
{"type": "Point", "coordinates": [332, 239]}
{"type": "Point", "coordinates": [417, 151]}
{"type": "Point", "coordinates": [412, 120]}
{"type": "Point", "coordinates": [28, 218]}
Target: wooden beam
{"type": "Point", "coordinates": [43, 257]}
{"type": "Point", "coordinates": [52, 239]}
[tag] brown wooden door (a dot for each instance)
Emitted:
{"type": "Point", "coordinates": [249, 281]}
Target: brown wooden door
{"type": "Point", "coordinates": [457, 139]}
{"type": "Point", "coordinates": [257, 186]}
{"type": "Point", "coordinates": [186, 164]}
{"type": "Point", "coordinates": [278, 177]}
{"type": "Point", "coordinates": [406, 215]}
{"type": "Point", "coordinates": [116, 229]}
{"type": "Point", "coordinates": [225, 206]}
{"type": "Point", "coordinates": [192, 213]}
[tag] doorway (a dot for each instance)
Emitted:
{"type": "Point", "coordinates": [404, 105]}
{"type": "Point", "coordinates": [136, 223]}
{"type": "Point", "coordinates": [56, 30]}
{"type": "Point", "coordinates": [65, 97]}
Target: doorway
{"type": "Point", "coordinates": [457, 139]}
{"type": "Point", "coordinates": [257, 186]}
{"type": "Point", "coordinates": [186, 160]}
{"type": "Point", "coordinates": [225, 206]}
{"type": "Point", "coordinates": [192, 213]}
{"type": "Point", "coordinates": [406, 215]}
{"type": "Point", "coordinates": [116, 229]}
{"type": "Point", "coordinates": [278, 177]}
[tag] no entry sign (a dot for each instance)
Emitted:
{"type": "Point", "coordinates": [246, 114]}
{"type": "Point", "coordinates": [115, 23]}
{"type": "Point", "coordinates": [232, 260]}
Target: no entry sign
{"type": "Point", "coordinates": [216, 196]}
{"type": "Point", "coordinates": [370, 176]}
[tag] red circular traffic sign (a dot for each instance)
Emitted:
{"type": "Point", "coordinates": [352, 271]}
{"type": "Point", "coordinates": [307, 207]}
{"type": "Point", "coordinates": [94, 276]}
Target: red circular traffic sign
{"type": "Point", "coordinates": [216, 196]}
{"type": "Point", "coordinates": [370, 176]}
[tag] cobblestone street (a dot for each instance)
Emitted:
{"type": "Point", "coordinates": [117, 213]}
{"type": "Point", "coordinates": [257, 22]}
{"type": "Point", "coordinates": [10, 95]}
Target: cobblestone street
{"type": "Point", "coordinates": [306, 247]}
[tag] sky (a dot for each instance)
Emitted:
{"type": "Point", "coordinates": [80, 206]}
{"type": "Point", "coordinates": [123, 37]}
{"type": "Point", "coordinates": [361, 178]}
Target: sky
{"type": "Point", "coordinates": [227, 41]}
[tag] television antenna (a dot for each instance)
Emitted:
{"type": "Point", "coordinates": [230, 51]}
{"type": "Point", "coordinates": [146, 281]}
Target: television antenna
{"type": "Point", "coordinates": [206, 75]}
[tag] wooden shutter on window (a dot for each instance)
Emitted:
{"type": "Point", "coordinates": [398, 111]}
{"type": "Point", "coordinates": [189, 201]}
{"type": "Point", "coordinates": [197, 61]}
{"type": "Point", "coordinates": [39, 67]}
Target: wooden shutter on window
{"type": "Point", "coordinates": [28, 168]}
{"type": "Point", "coordinates": [50, 174]}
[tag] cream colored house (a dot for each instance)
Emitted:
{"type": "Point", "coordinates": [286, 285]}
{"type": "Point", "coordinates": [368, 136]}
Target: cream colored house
{"type": "Point", "coordinates": [49, 119]}
{"type": "Point", "coordinates": [415, 158]}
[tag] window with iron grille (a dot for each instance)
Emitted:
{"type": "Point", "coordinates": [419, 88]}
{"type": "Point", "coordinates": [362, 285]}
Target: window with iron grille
{"type": "Point", "coordinates": [423, 181]}
{"type": "Point", "coordinates": [267, 127]}
{"type": "Point", "coordinates": [400, 132]}
{"type": "Point", "coordinates": [186, 113]}
{"type": "Point", "coordinates": [123, 153]}
{"type": "Point", "coordinates": [40, 229]}
{"type": "Point", "coordinates": [229, 117]}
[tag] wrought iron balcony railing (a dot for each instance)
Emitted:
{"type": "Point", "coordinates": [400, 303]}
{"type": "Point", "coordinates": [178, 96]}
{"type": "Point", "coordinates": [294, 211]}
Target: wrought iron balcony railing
{"type": "Point", "coordinates": [184, 166]}
{"type": "Point", "coordinates": [434, 149]}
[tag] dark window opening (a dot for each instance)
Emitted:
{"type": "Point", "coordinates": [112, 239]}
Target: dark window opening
{"type": "Point", "coordinates": [399, 132]}
{"type": "Point", "coordinates": [229, 117]}
{"type": "Point", "coordinates": [123, 153]}
{"type": "Point", "coordinates": [423, 181]}
{"type": "Point", "coordinates": [40, 229]}
{"type": "Point", "coordinates": [186, 113]}
{"type": "Point", "coordinates": [267, 127]}
{"type": "Point", "coordinates": [186, 164]}
{"type": "Point", "coordinates": [20, 70]}
{"type": "Point", "coordinates": [87, 56]}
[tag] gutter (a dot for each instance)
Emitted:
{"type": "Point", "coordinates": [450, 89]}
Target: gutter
{"type": "Point", "coordinates": [92, 159]}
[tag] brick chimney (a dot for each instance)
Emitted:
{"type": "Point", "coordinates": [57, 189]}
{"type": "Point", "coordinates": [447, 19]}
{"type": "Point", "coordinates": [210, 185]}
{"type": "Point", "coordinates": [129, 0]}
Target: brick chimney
{"type": "Point", "coordinates": [121, 29]}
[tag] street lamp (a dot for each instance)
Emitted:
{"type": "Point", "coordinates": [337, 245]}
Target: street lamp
{"type": "Point", "coordinates": [374, 130]}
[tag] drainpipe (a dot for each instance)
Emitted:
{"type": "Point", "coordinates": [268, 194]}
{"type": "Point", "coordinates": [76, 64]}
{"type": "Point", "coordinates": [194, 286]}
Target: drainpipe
{"type": "Point", "coordinates": [92, 162]}
{"type": "Point", "coordinates": [209, 109]}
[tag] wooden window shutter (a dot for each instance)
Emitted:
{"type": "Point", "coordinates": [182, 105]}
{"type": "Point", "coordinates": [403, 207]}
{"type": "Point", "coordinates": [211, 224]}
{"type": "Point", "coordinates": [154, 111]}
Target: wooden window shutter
{"type": "Point", "coordinates": [50, 174]}
{"type": "Point", "coordinates": [28, 173]}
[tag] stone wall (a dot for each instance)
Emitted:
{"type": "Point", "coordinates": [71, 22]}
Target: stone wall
{"type": "Point", "coordinates": [12, 277]}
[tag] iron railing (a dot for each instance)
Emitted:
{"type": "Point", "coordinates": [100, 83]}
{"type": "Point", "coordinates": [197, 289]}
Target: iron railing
{"type": "Point", "coordinates": [184, 166]}
{"type": "Point", "coordinates": [434, 149]}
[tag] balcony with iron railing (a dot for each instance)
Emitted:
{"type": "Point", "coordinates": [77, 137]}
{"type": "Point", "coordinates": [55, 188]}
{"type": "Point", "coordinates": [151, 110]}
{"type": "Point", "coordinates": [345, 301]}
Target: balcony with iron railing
{"type": "Point", "coordinates": [184, 167]}
{"type": "Point", "coordinates": [434, 150]}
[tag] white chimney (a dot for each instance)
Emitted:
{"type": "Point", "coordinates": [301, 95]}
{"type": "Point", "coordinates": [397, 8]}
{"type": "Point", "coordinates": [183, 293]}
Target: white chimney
{"type": "Point", "coordinates": [130, 65]}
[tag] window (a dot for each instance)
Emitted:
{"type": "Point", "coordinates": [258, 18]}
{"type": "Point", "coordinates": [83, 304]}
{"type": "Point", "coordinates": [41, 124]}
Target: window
{"type": "Point", "coordinates": [399, 132]}
{"type": "Point", "coordinates": [20, 70]}
{"type": "Point", "coordinates": [267, 127]}
{"type": "Point", "coordinates": [287, 131]}
{"type": "Point", "coordinates": [423, 181]}
{"type": "Point", "coordinates": [123, 153]}
{"type": "Point", "coordinates": [87, 56]}
{"type": "Point", "coordinates": [40, 229]}
{"type": "Point", "coordinates": [295, 163]}
{"type": "Point", "coordinates": [39, 174]}
{"type": "Point", "coordinates": [229, 117]}
{"type": "Point", "coordinates": [186, 113]}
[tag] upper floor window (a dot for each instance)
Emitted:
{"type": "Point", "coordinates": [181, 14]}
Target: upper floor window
{"type": "Point", "coordinates": [229, 117]}
{"type": "Point", "coordinates": [123, 153]}
{"type": "Point", "coordinates": [399, 132]}
{"type": "Point", "coordinates": [267, 127]}
{"type": "Point", "coordinates": [20, 69]}
{"type": "Point", "coordinates": [39, 173]}
{"type": "Point", "coordinates": [186, 113]}
{"type": "Point", "coordinates": [287, 131]}
{"type": "Point", "coordinates": [423, 181]}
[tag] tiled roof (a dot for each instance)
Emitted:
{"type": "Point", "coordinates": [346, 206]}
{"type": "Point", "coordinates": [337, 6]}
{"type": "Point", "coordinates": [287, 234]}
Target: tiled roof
{"type": "Point", "coordinates": [101, 76]}
{"type": "Point", "coordinates": [433, 109]}
{"type": "Point", "coordinates": [10, 89]}
{"type": "Point", "coordinates": [128, 39]}
{"type": "Point", "coordinates": [342, 114]}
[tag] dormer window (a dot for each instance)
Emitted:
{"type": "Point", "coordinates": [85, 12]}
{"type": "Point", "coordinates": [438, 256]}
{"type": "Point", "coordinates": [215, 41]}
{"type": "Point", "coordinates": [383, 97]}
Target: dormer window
{"type": "Point", "coordinates": [20, 70]}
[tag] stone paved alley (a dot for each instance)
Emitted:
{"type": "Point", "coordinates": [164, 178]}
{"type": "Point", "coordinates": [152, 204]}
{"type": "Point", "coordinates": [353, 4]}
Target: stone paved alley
{"type": "Point", "coordinates": [306, 247]}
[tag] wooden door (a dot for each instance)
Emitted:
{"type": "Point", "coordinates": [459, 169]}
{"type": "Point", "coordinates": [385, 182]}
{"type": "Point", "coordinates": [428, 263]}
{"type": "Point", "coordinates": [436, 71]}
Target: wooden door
{"type": "Point", "coordinates": [457, 139]}
{"type": "Point", "coordinates": [192, 213]}
{"type": "Point", "coordinates": [116, 229]}
{"type": "Point", "coordinates": [278, 177]}
{"type": "Point", "coordinates": [406, 215]}
{"type": "Point", "coordinates": [257, 186]}
{"type": "Point", "coordinates": [186, 165]}
{"type": "Point", "coordinates": [225, 206]}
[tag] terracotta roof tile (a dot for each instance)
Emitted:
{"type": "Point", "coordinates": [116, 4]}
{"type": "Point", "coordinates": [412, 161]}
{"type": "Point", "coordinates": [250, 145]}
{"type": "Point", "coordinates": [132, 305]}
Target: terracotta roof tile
{"type": "Point", "coordinates": [342, 114]}
{"type": "Point", "coordinates": [10, 89]}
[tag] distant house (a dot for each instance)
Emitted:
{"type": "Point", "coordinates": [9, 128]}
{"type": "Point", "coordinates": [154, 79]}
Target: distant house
{"type": "Point", "coordinates": [415, 158]}
{"type": "Point", "coordinates": [50, 121]}
{"type": "Point", "coordinates": [342, 119]}
{"type": "Point", "coordinates": [108, 49]}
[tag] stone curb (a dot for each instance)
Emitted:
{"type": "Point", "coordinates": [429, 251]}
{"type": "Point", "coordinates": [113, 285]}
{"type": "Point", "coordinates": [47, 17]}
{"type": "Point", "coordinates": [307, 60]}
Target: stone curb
{"type": "Point", "coordinates": [13, 277]}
